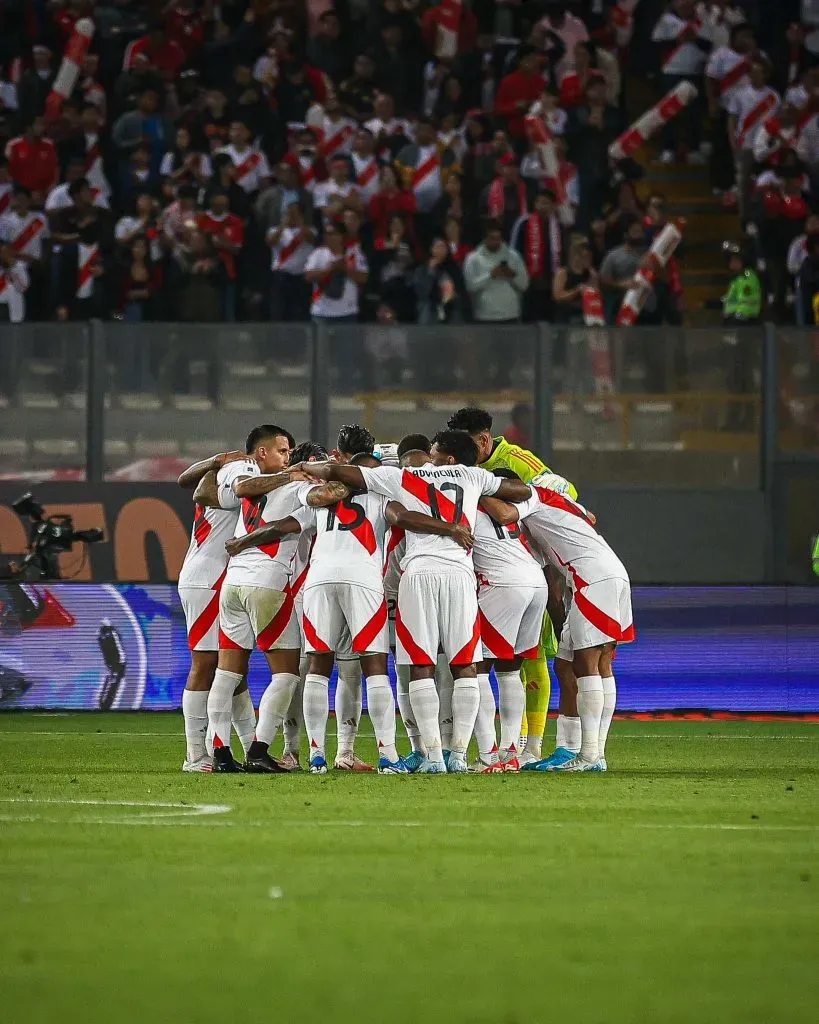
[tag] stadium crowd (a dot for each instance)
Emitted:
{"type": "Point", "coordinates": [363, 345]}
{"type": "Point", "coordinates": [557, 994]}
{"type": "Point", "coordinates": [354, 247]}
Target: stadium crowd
{"type": "Point", "coordinates": [285, 160]}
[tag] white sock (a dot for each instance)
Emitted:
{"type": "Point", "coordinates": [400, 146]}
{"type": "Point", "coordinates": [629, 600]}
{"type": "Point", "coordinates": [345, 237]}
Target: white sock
{"type": "Point", "coordinates": [609, 702]}
{"type": "Point", "coordinates": [568, 733]}
{"type": "Point", "coordinates": [348, 705]}
{"type": "Point", "coordinates": [485, 735]}
{"type": "Point", "coordinates": [316, 712]}
{"type": "Point", "coordinates": [512, 703]}
{"type": "Point", "coordinates": [425, 710]}
{"type": "Point", "coordinates": [590, 709]}
{"type": "Point", "coordinates": [244, 718]}
{"type": "Point", "coordinates": [294, 719]}
{"type": "Point", "coordinates": [443, 675]}
{"type": "Point", "coordinates": [466, 699]}
{"type": "Point", "coordinates": [220, 707]}
{"type": "Point", "coordinates": [402, 673]}
{"type": "Point", "coordinates": [381, 708]}
{"type": "Point", "coordinates": [274, 704]}
{"type": "Point", "coordinates": [195, 713]}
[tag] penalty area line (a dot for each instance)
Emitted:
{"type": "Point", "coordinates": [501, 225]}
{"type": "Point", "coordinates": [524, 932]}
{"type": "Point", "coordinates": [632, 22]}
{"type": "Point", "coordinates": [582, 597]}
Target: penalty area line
{"type": "Point", "coordinates": [155, 809]}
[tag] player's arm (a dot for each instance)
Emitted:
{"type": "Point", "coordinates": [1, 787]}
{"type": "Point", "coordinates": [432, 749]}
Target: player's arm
{"type": "Point", "coordinates": [513, 490]}
{"type": "Point", "coordinates": [264, 535]}
{"type": "Point", "coordinates": [350, 476]}
{"type": "Point", "coordinates": [417, 522]}
{"type": "Point", "coordinates": [255, 486]}
{"type": "Point", "coordinates": [555, 605]}
{"type": "Point", "coordinates": [327, 494]}
{"type": "Point", "coordinates": [502, 512]}
{"type": "Point", "coordinates": [190, 477]}
{"type": "Point", "coordinates": [207, 491]}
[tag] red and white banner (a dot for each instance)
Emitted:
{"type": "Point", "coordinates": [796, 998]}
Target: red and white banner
{"type": "Point", "coordinates": [449, 25]}
{"type": "Point", "coordinates": [541, 136]}
{"type": "Point", "coordinates": [622, 18]}
{"type": "Point", "coordinates": [69, 72]}
{"type": "Point", "coordinates": [598, 340]}
{"type": "Point", "coordinates": [652, 121]}
{"type": "Point", "coordinates": [655, 259]}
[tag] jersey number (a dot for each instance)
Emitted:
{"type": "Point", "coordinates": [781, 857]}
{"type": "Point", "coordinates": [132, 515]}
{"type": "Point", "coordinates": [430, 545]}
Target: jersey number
{"type": "Point", "coordinates": [350, 506]}
{"type": "Point", "coordinates": [252, 512]}
{"type": "Point", "coordinates": [511, 532]}
{"type": "Point", "coordinates": [434, 509]}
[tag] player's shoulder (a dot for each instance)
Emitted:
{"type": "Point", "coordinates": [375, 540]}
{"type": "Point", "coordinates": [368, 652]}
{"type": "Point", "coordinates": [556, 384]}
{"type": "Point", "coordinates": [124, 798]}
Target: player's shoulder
{"type": "Point", "coordinates": [233, 470]}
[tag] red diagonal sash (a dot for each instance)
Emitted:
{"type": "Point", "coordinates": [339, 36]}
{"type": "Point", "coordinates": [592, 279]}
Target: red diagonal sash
{"type": "Point", "coordinates": [246, 167]}
{"type": "Point", "coordinates": [363, 533]}
{"type": "Point", "coordinates": [367, 175]}
{"type": "Point", "coordinates": [336, 140]}
{"type": "Point", "coordinates": [287, 251]}
{"type": "Point", "coordinates": [86, 270]}
{"type": "Point", "coordinates": [420, 489]}
{"type": "Point", "coordinates": [734, 76]}
{"type": "Point", "coordinates": [755, 115]}
{"type": "Point", "coordinates": [423, 171]}
{"type": "Point", "coordinates": [28, 233]}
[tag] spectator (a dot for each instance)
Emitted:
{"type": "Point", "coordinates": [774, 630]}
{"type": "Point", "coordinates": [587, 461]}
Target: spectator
{"type": "Point", "coordinates": [25, 231]}
{"type": "Point", "coordinates": [538, 237]}
{"type": "Point", "coordinates": [79, 288]}
{"type": "Point", "coordinates": [439, 287]}
{"type": "Point", "coordinates": [291, 243]}
{"type": "Point", "coordinates": [385, 344]}
{"type": "Point", "coordinates": [358, 93]}
{"type": "Point", "coordinates": [742, 308]}
{"type": "Point", "coordinates": [496, 278]}
{"type": "Point", "coordinates": [162, 53]}
{"type": "Point", "coordinates": [392, 270]}
{"type": "Point", "coordinates": [183, 164]}
{"type": "Point", "coordinates": [250, 168]}
{"type": "Point", "coordinates": [141, 221]}
{"type": "Point", "coordinates": [520, 431]}
{"type": "Point", "coordinates": [571, 281]}
{"type": "Point", "coordinates": [568, 29]}
{"type": "Point", "coordinates": [332, 197]}
{"type": "Point", "coordinates": [677, 33]}
{"type": "Point", "coordinates": [33, 159]}
{"type": "Point", "coordinates": [458, 249]}
{"type": "Point", "coordinates": [518, 91]}
{"type": "Point", "coordinates": [751, 105]}
{"type": "Point", "coordinates": [396, 66]}
{"type": "Point", "coordinates": [198, 279]}
{"type": "Point", "coordinates": [618, 270]}
{"type": "Point", "coordinates": [68, 221]}
{"type": "Point", "coordinates": [725, 74]}
{"type": "Point", "coordinates": [272, 205]}
{"type": "Point", "coordinates": [506, 200]}
{"type": "Point", "coordinates": [589, 133]}
{"type": "Point", "coordinates": [365, 165]}
{"type": "Point", "coordinates": [431, 22]}
{"type": "Point", "coordinates": [391, 133]}
{"type": "Point", "coordinates": [138, 175]}
{"type": "Point", "coordinates": [336, 278]}
{"type": "Point", "coordinates": [583, 67]}
{"type": "Point", "coordinates": [329, 50]}
{"type": "Point", "coordinates": [137, 293]}
{"type": "Point", "coordinates": [35, 85]}
{"type": "Point", "coordinates": [335, 130]}
{"type": "Point", "coordinates": [227, 234]}
{"type": "Point", "coordinates": [424, 166]}
{"type": "Point", "coordinates": [212, 127]}
{"type": "Point", "coordinates": [224, 177]}
{"type": "Point", "coordinates": [178, 220]}
{"type": "Point", "coordinates": [388, 200]}
{"type": "Point", "coordinates": [797, 254]}
{"type": "Point", "coordinates": [86, 144]}
{"type": "Point", "coordinates": [13, 286]}
{"type": "Point", "coordinates": [145, 124]}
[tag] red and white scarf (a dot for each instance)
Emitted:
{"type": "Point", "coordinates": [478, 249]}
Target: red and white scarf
{"type": "Point", "coordinates": [497, 198]}
{"type": "Point", "coordinates": [533, 242]}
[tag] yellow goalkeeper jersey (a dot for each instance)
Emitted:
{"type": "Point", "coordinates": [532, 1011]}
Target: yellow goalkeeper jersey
{"type": "Point", "coordinates": [524, 463]}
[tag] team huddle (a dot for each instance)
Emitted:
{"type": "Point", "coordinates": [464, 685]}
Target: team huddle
{"type": "Point", "coordinates": [460, 555]}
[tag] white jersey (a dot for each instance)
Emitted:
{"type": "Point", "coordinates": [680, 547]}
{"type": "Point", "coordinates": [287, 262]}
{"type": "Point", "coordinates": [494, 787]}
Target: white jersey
{"type": "Point", "coordinates": [270, 565]}
{"type": "Point", "coordinates": [24, 234]}
{"type": "Point", "coordinates": [365, 171]}
{"type": "Point", "coordinates": [729, 70]}
{"type": "Point", "coordinates": [291, 250]}
{"type": "Point", "coordinates": [206, 558]}
{"type": "Point", "coordinates": [501, 555]}
{"type": "Point", "coordinates": [250, 167]}
{"type": "Point", "coordinates": [336, 137]}
{"type": "Point", "coordinates": [684, 57]}
{"type": "Point", "coordinates": [396, 548]}
{"type": "Point", "coordinates": [325, 190]}
{"type": "Point", "coordinates": [349, 545]}
{"type": "Point", "coordinates": [450, 493]}
{"type": "Point", "coordinates": [347, 303]}
{"type": "Point", "coordinates": [561, 529]}
{"type": "Point", "coordinates": [752, 107]}
{"type": "Point", "coordinates": [301, 559]}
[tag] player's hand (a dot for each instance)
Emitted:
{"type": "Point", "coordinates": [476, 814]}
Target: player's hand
{"type": "Point", "coordinates": [234, 546]}
{"type": "Point", "coordinates": [462, 536]}
{"type": "Point", "coordinates": [298, 476]}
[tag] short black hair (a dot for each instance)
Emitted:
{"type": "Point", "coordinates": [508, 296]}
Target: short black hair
{"type": "Point", "coordinates": [471, 419]}
{"type": "Point", "coordinates": [459, 445]}
{"type": "Point", "coordinates": [77, 186]}
{"type": "Point", "coordinates": [505, 474]}
{"type": "Point", "coordinates": [308, 450]}
{"type": "Point", "coordinates": [353, 438]}
{"type": "Point", "coordinates": [413, 443]}
{"type": "Point", "coordinates": [366, 459]}
{"type": "Point", "coordinates": [263, 431]}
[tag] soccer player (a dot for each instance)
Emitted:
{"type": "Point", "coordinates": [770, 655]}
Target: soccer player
{"type": "Point", "coordinates": [437, 602]}
{"type": "Point", "coordinates": [599, 615]}
{"type": "Point", "coordinates": [497, 453]}
{"type": "Point", "coordinates": [512, 599]}
{"type": "Point", "coordinates": [344, 603]}
{"type": "Point", "coordinates": [200, 582]}
{"type": "Point", "coordinates": [256, 607]}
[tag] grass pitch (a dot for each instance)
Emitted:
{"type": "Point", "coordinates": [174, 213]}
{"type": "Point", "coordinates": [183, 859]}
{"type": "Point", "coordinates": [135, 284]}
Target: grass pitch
{"type": "Point", "coordinates": [679, 887]}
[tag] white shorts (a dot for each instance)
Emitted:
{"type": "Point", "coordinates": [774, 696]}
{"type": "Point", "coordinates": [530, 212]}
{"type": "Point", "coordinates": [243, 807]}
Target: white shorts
{"type": "Point", "coordinates": [600, 613]}
{"type": "Point", "coordinates": [511, 621]}
{"type": "Point", "coordinates": [201, 608]}
{"type": "Point", "coordinates": [257, 616]}
{"type": "Point", "coordinates": [345, 618]}
{"type": "Point", "coordinates": [437, 611]}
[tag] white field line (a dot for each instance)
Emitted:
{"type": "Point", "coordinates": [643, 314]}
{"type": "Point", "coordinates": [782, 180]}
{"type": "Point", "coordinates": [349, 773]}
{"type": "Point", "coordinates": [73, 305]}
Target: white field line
{"type": "Point", "coordinates": [368, 735]}
{"type": "Point", "coordinates": [155, 809]}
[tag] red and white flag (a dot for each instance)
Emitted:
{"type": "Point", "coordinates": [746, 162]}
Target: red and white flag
{"type": "Point", "coordinates": [652, 120]}
{"type": "Point", "coordinates": [69, 72]}
{"type": "Point", "coordinates": [449, 25]}
{"type": "Point", "coordinates": [655, 260]}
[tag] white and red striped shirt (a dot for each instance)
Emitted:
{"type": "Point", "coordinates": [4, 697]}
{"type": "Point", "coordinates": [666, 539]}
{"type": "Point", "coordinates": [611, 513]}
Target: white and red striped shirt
{"type": "Point", "coordinates": [24, 234]}
{"type": "Point", "coordinates": [336, 137]}
{"type": "Point", "coordinates": [684, 57]}
{"type": "Point", "coordinates": [291, 250]}
{"type": "Point", "coordinates": [347, 304]}
{"type": "Point", "coordinates": [13, 286]}
{"type": "Point", "coordinates": [752, 107]}
{"type": "Point", "coordinates": [250, 167]}
{"type": "Point", "coordinates": [88, 258]}
{"type": "Point", "coordinates": [729, 70]}
{"type": "Point", "coordinates": [366, 175]}
{"type": "Point", "coordinates": [773, 136]}
{"type": "Point", "coordinates": [427, 184]}
{"type": "Point", "coordinates": [94, 172]}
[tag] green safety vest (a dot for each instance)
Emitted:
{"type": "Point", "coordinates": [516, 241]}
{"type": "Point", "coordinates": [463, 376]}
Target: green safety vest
{"type": "Point", "coordinates": [743, 299]}
{"type": "Point", "coordinates": [815, 556]}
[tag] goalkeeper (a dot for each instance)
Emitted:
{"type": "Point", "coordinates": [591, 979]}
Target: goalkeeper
{"type": "Point", "coordinates": [496, 453]}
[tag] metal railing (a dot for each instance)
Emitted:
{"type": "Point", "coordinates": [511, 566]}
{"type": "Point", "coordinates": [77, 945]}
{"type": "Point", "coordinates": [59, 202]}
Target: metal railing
{"type": "Point", "coordinates": [646, 406]}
